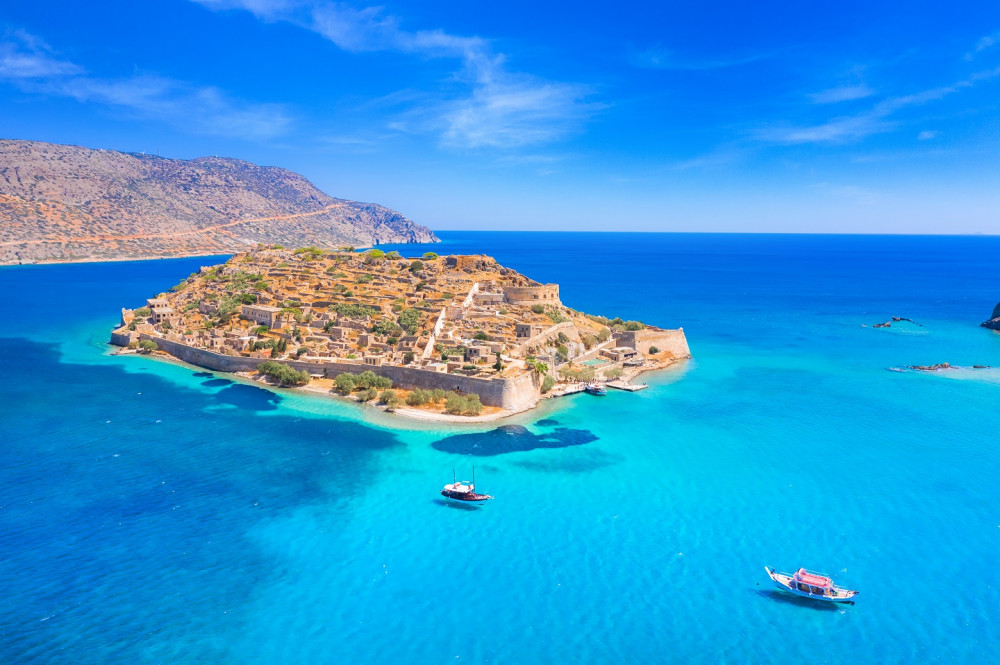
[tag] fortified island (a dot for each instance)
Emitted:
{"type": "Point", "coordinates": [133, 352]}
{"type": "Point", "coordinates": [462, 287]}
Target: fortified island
{"type": "Point", "coordinates": [422, 336]}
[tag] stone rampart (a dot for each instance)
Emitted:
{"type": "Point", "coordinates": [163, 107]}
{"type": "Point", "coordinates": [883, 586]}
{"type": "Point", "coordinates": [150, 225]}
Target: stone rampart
{"type": "Point", "coordinates": [508, 393]}
{"type": "Point", "coordinates": [672, 341]}
{"type": "Point", "coordinates": [545, 294]}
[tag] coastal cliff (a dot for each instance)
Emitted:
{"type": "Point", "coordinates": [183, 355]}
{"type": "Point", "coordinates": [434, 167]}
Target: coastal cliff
{"type": "Point", "coordinates": [994, 322]}
{"type": "Point", "coordinates": [68, 203]}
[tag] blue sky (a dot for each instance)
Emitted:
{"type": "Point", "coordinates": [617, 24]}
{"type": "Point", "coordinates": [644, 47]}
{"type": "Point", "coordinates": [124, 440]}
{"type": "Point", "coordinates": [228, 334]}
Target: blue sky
{"type": "Point", "coordinates": [712, 116]}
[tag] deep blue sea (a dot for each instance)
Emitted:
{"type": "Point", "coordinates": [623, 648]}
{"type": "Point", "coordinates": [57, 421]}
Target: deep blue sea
{"type": "Point", "coordinates": [154, 513]}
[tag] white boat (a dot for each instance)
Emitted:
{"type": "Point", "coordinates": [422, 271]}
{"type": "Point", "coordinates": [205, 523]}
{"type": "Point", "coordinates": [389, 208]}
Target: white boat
{"type": "Point", "coordinates": [463, 490]}
{"type": "Point", "coordinates": [812, 585]}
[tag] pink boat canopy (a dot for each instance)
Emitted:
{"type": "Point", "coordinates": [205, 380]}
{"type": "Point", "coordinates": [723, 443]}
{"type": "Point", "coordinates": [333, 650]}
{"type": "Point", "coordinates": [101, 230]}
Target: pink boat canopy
{"type": "Point", "coordinates": [812, 579]}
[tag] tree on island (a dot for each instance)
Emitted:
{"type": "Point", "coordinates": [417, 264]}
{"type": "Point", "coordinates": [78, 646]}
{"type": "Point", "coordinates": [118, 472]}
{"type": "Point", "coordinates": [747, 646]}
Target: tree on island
{"type": "Point", "coordinates": [147, 346]}
{"type": "Point", "coordinates": [537, 366]}
{"type": "Point", "coordinates": [285, 375]}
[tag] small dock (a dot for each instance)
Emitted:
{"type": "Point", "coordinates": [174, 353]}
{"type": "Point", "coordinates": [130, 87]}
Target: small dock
{"type": "Point", "coordinates": [569, 390]}
{"type": "Point", "coordinates": [630, 387]}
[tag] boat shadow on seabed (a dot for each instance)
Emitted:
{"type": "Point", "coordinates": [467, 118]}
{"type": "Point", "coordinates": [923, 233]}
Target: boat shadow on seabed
{"type": "Point", "coordinates": [789, 599]}
{"type": "Point", "coordinates": [457, 505]}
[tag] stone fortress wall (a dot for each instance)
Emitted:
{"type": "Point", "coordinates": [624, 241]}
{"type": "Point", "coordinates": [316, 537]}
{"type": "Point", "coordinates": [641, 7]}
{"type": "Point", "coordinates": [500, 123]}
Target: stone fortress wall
{"type": "Point", "coordinates": [673, 341]}
{"type": "Point", "coordinates": [544, 294]}
{"type": "Point", "coordinates": [509, 392]}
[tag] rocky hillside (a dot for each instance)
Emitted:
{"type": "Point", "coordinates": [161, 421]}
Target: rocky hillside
{"type": "Point", "coordinates": [67, 203]}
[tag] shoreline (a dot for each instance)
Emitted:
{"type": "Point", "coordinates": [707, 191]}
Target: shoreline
{"type": "Point", "coordinates": [405, 413]}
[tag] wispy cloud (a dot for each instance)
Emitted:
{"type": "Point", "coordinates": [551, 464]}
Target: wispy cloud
{"type": "Point", "coordinates": [24, 56]}
{"type": "Point", "coordinates": [844, 93]}
{"type": "Point", "coordinates": [983, 44]}
{"type": "Point", "coordinates": [498, 108]}
{"type": "Point", "coordinates": [29, 64]}
{"type": "Point", "coordinates": [875, 120]}
{"type": "Point", "coordinates": [927, 135]}
{"type": "Point", "coordinates": [657, 57]}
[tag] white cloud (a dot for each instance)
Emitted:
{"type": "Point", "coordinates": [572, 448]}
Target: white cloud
{"type": "Point", "coordinates": [983, 44]}
{"type": "Point", "coordinates": [877, 119]}
{"type": "Point", "coordinates": [498, 108]}
{"type": "Point", "coordinates": [23, 56]}
{"type": "Point", "coordinates": [28, 63]}
{"type": "Point", "coordinates": [841, 94]}
{"type": "Point", "coordinates": [927, 135]}
{"type": "Point", "coordinates": [658, 57]}
{"type": "Point", "coordinates": [199, 109]}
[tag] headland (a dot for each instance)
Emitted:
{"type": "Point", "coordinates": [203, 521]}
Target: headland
{"type": "Point", "coordinates": [435, 337]}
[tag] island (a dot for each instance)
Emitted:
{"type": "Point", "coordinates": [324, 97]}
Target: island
{"type": "Point", "coordinates": [430, 337]}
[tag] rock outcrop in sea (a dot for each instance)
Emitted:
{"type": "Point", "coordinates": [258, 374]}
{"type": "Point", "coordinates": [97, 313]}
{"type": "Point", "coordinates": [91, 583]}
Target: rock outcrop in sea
{"type": "Point", "coordinates": [994, 322]}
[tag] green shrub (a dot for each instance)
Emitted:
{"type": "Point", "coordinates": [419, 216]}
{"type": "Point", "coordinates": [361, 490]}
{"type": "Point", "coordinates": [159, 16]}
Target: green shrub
{"type": "Point", "coordinates": [556, 316]}
{"type": "Point", "coordinates": [383, 327]}
{"type": "Point", "coordinates": [416, 265]}
{"type": "Point", "coordinates": [481, 336]}
{"type": "Point", "coordinates": [368, 379]}
{"type": "Point", "coordinates": [390, 399]}
{"type": "Point", "coordinates": [537, 309]}
{"type": "Point", "coordinates": [284, 374]}
{"type": "Point", "coordinates": [147, 346]}
{"type": "Point", "coordinates": [634, 325]}
{"type": "Point", "coordinates": [345, 383]}
{"type": "Point", "coordinates": [409, 320]}
{"type": "Point", "coordinates": [430, 256]}
{"type": "Point", "coordinates": [653, 350]}
{"type": "Point", "coordinates": [393, 255]}
{"type": "Point", "coordinates": [356, 311]}
{"type": "Point", "coordinates": [604, 335]}
{"type": "Point", "coordinates": [466, 405]}
{"type": "Point", "coordinates": [547, 383]}
{"type": "Point", "coordinates": [418, 397]}
{"type": "Point", "coordinates": [455, 404]}
{"type": "Point", "coordinates": [408, 357]}
{"type": "Point", "coordinates": [143, 312]}
{"type": "Point", "coordinates": [367, 395]}
{"type": "Point", "coordinates": [562, 354]}
{"type": "Point", "coordinates": [301, 352]}
{"type": "Point", "coordinates": [364, 279]}
{"type": "Point", "coordinates": [473, 406]}
{"type": "Point", "coordinates": [438, 395]}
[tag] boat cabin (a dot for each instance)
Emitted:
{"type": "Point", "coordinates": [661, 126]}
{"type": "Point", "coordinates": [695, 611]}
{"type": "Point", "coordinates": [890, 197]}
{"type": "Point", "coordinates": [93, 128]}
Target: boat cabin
{"type": "Point", "coordinates": [812, 583]}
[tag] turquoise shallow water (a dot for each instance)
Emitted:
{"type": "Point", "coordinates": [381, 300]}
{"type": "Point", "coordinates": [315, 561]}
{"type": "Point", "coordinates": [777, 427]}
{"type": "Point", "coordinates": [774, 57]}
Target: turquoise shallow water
{"type": "Point", "coordinates": [151, 513]}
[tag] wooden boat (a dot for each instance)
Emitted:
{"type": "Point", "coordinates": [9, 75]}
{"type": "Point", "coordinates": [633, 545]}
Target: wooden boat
{"type": "Point", "coordinates": [812, 585]}
{"type": "Point", "coordinates": [463, 490]}
{"type": "Point", "coordinates": [594, 389]}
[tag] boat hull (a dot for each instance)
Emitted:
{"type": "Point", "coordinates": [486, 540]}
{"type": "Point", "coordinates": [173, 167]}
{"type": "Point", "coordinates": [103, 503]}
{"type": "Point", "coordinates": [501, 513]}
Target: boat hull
{"type": "Point", "coordinates": [784, 582]}
{"type": "Point", "coordinates": [470, 497]}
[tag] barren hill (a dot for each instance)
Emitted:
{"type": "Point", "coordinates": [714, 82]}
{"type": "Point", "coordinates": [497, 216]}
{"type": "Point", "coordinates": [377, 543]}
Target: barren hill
{"type": "Point", "coordinates": [68, 203]}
